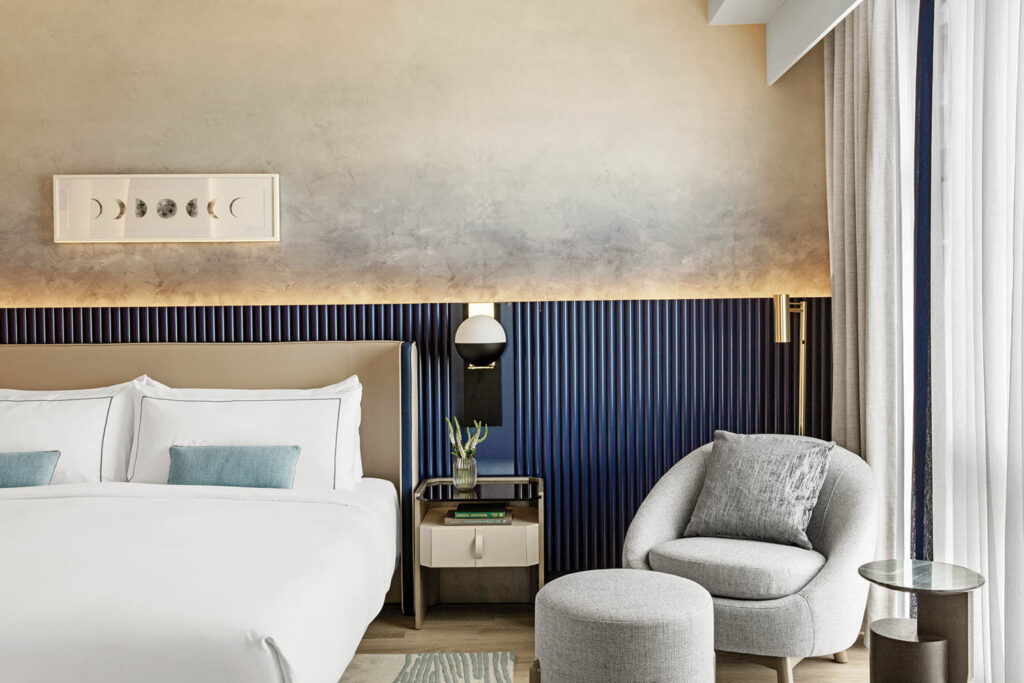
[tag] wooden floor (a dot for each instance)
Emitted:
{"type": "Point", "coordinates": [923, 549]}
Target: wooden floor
{"type": "Point", "coordinates": [510, 627]}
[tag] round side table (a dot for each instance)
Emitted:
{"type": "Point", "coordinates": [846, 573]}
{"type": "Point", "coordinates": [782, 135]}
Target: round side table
{"type": "Point", "coordinates": [943, 614]}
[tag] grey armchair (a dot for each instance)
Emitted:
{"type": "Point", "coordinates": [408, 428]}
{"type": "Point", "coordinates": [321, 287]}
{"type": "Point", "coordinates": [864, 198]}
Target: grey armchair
{"type": "Point", "coordinates": [774, 603]}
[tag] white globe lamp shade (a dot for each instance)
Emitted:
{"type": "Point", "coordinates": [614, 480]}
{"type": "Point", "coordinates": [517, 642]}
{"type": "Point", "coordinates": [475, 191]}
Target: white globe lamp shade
{"type": "Point", "coordinates": [480, 340]}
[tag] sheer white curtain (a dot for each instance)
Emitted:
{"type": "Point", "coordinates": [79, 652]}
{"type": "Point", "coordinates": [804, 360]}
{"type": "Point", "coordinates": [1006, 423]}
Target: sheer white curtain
{"type": "Point", "coordinates": [977, 315]}
{"type": "Point", "coordinates": [869, 112]}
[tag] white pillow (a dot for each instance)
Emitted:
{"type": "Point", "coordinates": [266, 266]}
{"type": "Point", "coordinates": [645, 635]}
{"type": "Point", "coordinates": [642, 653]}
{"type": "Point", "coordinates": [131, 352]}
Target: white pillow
{"type": "Point", "coordinates": [323, 422]}
{"type": "Point", "coordinates": [92, 429]}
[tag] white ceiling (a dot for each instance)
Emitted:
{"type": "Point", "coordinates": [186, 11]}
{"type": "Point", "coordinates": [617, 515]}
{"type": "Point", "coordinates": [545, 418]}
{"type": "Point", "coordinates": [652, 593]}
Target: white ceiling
{"type": "Point", "coordinates": [792, 27]}
{"type": "Point", "coordinates": [724, 12]}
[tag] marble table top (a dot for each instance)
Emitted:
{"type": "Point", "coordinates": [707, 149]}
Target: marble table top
{"type": "Point", "coordinates": [922, 576]}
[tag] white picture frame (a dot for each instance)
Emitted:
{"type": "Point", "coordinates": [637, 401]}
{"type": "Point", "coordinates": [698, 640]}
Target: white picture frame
{"type": "Point", "coordinates": [182, 207]}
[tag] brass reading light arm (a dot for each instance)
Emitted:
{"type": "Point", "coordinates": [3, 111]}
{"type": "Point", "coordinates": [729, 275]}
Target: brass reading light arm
{"type": "Point", "coordinates": [783, 309]}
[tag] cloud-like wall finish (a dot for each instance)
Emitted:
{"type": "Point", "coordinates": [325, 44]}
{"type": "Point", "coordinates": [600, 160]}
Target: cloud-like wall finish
{"type": "Point", "coordinates": [448, 150]}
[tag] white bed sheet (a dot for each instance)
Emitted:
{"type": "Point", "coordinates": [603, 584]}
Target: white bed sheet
{"type": "Point", "coordinates": [145, 582]}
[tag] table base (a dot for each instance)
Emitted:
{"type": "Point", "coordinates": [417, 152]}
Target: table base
{"type": "Point", "coordinates": [899, 654]}
{"type": "Point", "coordinates": [949, 616]}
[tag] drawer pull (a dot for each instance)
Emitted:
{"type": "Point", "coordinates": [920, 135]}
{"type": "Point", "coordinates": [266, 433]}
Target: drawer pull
{"type": "Point", "coordinates": [478, 546]}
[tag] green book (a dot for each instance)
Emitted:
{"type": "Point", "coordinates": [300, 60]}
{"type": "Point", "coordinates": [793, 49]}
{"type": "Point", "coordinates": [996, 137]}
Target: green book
{"type": "Point", "coordinates": [452, 520]}
{"type": "Point", "coordinates": [479, 511]}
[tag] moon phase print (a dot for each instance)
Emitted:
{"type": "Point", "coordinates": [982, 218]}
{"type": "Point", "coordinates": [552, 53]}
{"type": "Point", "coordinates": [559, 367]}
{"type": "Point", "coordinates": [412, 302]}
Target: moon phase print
{"type": "Point", "coordinates": [166, 208]}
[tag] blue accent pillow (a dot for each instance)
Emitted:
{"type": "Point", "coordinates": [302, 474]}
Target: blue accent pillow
{"type": "Point", "coordinates": [265, 467]}
{"type": "Point", "coordinates": [33, 468]}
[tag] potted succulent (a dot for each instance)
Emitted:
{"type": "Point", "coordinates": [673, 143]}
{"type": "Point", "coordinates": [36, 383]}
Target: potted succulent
{"type": "Point", "coordinates": [464, 452]}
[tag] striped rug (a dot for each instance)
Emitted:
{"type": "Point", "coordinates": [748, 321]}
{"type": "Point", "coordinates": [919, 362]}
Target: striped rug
{"type": "Point", "coordinates": [431, 667]}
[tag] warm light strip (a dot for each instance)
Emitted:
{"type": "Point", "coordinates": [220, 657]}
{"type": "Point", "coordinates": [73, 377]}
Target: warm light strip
{"type": "Point", "coordinates": [45, 296]}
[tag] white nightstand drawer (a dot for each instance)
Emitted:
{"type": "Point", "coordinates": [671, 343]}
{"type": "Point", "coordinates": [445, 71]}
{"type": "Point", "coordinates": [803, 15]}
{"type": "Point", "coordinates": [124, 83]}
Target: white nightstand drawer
{"type": "Point", "coordinates": [513, 545]}
{"type": "Point", "coordinates": [447, 547]}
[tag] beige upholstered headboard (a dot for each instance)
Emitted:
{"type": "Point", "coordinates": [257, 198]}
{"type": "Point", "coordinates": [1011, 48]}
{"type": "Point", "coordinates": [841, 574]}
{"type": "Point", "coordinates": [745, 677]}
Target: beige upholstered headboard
{"type": "Point", "coordinates": [386, 369]}
{"type": "Point", "coordinates": [291, 365]}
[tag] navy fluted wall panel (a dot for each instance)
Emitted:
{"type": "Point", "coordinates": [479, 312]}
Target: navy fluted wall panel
{"type": "Point", "coordinates": [608, 394]}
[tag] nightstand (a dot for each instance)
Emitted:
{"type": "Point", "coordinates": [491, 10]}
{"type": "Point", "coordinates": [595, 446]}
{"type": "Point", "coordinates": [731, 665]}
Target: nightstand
{"type": "Point", "coordinates": [437, 547]}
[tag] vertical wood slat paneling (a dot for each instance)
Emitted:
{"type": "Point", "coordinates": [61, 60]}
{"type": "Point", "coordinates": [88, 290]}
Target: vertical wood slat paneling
{"type": "Point", "coordinates": [608, 394]}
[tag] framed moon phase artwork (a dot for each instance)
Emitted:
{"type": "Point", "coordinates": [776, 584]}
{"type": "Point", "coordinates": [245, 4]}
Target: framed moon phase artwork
{"type": "Point", "coordinates": [235, 207]}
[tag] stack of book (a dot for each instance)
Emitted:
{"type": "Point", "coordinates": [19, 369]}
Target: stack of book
{"type": "Point", "coordinates": [478, 513]}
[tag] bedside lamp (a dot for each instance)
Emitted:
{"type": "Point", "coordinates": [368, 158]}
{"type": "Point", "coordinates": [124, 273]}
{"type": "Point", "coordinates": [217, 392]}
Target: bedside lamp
{"type": "Point", "coordinates": [480, 339]}
{"type": "Point", "coordinates": [783, 309]}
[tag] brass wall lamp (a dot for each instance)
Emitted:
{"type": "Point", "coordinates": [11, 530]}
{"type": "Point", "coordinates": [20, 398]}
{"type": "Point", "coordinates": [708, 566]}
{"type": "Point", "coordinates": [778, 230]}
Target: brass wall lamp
{"type": "Point", "coordinates": [784, 307]}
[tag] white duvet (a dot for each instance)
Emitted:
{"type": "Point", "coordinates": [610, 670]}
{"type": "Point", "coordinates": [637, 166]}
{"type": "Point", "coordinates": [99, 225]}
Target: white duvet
{"type": "Point", "coordinates": [144, 582]}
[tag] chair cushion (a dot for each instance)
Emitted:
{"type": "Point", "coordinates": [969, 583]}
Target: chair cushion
{"type": "Point", "coordinates": [737, 568]}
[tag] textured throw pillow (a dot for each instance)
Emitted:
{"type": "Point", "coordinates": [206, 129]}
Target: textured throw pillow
{"type": "Point", "coordinates": [265, 467]}
{"type": "Point", "coordinates": [761, 487]}
{"type": "Point", "coordinates": [27, 469]}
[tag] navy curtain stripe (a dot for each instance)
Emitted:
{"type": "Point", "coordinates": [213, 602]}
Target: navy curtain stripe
{"type": "Point", "coordinates": [921, 508]}
{"type": "Point", "coordinates": [608, 394]}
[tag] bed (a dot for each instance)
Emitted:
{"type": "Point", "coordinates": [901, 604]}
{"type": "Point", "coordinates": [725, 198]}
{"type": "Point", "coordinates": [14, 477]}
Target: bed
{"type": "Point", "coordinates": [119, 581]}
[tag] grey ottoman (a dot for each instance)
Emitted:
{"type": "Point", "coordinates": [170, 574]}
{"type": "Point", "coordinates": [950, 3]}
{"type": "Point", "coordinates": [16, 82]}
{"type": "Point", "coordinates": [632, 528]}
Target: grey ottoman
{"type": "Point", "coordinates": [625, 625]}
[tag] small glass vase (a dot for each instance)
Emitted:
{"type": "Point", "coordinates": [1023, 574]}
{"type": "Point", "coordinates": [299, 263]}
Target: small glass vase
{"type": "Point", "coordinates": [464, 474]}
